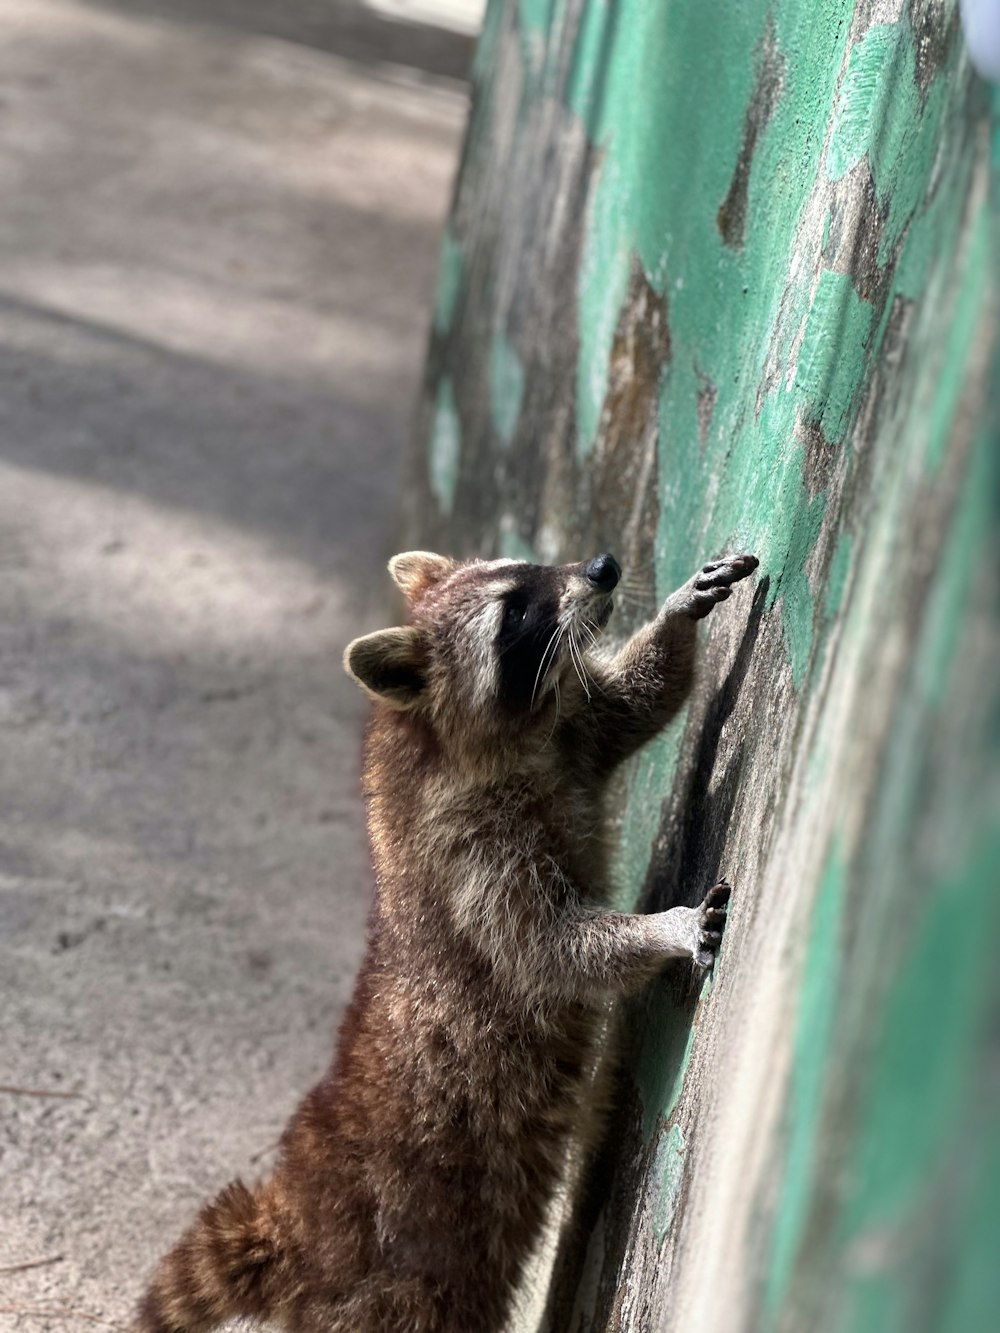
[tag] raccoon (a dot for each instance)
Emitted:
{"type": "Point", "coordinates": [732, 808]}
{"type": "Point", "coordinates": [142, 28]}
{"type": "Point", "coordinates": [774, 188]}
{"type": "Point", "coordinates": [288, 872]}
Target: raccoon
{"type": "Point", "coordinates": [413, 1180]}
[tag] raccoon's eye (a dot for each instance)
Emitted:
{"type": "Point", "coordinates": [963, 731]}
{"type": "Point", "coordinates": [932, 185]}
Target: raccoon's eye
{"type": "Point", "coordinates": [513, 615]}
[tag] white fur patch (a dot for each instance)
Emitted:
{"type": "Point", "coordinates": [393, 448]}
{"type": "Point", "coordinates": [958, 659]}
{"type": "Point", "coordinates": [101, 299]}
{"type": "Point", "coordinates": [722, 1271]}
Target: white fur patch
{"type": "Point", "coordinates": [479, 635]}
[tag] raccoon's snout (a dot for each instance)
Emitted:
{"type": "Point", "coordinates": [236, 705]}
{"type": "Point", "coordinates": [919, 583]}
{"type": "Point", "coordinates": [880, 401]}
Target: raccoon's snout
{"type": "Point", "coordinates": [603, 572]}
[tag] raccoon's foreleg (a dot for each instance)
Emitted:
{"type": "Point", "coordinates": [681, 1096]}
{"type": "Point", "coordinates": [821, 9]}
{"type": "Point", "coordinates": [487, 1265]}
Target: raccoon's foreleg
{"type": "Point", "coordinates": [612, 953]}
{"type": "Point", "coordinates": [643, 686]}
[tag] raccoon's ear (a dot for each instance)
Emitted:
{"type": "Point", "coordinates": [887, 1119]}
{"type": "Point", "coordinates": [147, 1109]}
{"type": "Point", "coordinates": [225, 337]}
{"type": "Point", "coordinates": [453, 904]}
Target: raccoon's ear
{"type": "Point", "coordinates": [390, 664]}
{"type": "Point", "coordinates": [416, 571]}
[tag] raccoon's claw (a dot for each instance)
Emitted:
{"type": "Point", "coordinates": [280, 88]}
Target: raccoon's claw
{"type": "Point", "coordinates": [729, 569]}
{"type": "Point", "coordinates": [713, 920]}
{"type": "Point", "coordinates": [718, 896]}
{"type": "Point", "coordinates": [714, 582]}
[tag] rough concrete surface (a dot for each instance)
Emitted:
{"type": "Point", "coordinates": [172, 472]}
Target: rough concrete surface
{"type": "Point", "coordinates": [217, 252]}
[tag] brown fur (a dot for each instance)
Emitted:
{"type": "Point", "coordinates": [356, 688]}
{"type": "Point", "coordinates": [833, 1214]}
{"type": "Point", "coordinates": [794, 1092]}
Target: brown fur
{"type": "Point", "coordinates": [413, 1180]}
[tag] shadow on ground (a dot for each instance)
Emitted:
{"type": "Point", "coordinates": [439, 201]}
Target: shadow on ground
{"type": "Point", "coordinates": [340, 27]}
{"type": "Point", "coordinates": [217, 258]}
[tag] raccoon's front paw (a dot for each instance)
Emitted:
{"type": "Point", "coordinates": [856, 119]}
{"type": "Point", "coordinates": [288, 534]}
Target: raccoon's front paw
{"type": "Point", "coordinates": [711, 922]}
{"type": "Point", "coordinates": [714, 583]}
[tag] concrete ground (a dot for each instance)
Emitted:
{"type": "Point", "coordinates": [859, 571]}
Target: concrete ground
{"type": "Point", "coordinates": [218, 237]}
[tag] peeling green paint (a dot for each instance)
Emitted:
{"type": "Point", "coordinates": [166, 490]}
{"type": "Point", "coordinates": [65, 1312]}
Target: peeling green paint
{"type": "Point", "coordinates": [927, 1034]}
{"type": "Point", "coordinates": [648, 779]}
{"type": "Point", "coordinates": [832, 356]}
{"type": "Point", "coordinates": [638, 87]}
{"type": "Point", "coordinates": [534, 15]}
{"type": "Point", "coordinates": [484, 59]}
{"type": "Point", "coordinates": [974, 1299]}
{"type": "Point", "coordinates": [949, 602]}
{"type": "Point", "coordinates": [820, 233]}
{"type": "Point", "coordinates": [869, 98]}
{"type": "Point", "coordinates": [926, 1048]}
{"type": "Point", "coordinates": [872, 1306]}
{"type": "Point", "coordinates": [534, 19]}
{"type": "Point", "coordinates": [965, 320]}
{"type": "Point", "coordinates": [445, 447]}
{"type": "Point", "coordinates": [797, 607]}
{"type": "Point", "coordinates": [583, 84]}
{"type": "Point", "coordinates": [668, 1174]}
{"type": "Point", "coordinates": [449, 281]}
{"type": "Point", "coordinates": [603, 282]}
{"type": "Point", "coordinates": [506, 386]}
{"type": "Point", "coordinates": [880, 114]}
{"type": "Point", "coordinates": [837, 579]}
{"type": "Point", "coordinates": [663, 1058]}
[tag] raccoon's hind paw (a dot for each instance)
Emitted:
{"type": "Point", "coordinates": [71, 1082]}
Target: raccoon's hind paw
{"type": "Point", "coordinates": [712, 922]}
{"type": "Point", "coordinates": [714, 582]}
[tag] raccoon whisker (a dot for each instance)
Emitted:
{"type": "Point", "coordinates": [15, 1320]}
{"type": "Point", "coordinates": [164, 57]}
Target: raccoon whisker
{"type": "Point", "coordinates": [552, 651]}
{"type": "Point", "coordinates": [594, 678]}
{"type": "Point", "coordinates": [576, 657]}
{"type": "Point", "coordinates": [543, 664]}
{"type": "Point", "coordinates": [548, 656]}
{"type": "Point", "coordinates": [591, 642]}
{"type": "Point", "coordinates": [634, 601]}
{"type": "Point", "coordinates": [637, 589]}
{"type": "Point", "coordinates": [589, 629]}
{"type": "Point", "coordinates": [572, 658]}
{"type": "Point", "coordinates": [555, 720]}
{"type": "Point", "coordinates": [637, 578]}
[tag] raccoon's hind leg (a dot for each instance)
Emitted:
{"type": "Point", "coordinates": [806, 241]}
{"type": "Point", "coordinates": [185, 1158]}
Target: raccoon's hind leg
{"type": "Point", "coordinates": [696, 932]}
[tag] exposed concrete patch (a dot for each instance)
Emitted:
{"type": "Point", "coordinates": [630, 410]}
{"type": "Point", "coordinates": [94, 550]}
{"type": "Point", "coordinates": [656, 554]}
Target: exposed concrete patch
{"type": "Point", "coordinates": [857, 222]}
{"type": "Point", "coordinates": [640, 351]}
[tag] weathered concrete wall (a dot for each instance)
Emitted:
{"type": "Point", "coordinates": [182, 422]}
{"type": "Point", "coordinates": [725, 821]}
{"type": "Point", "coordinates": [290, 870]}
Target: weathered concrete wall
{"type": "Point", "coordinates": [732, 283]}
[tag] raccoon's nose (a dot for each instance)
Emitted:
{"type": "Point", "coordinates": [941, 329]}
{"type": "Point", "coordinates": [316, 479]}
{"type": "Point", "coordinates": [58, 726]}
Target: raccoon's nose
{"type": "Point", "coordinates": [603, 572]}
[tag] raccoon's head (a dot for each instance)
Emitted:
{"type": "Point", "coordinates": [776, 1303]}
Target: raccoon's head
{"type": "Point", "coordinates": [489, 641]}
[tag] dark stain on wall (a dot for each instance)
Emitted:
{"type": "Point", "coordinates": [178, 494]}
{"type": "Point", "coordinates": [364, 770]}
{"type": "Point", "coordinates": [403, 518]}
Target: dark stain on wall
{"type": "Point", "coordinates": [708, 392]}
{"type": "Point", "coordinates": [857, 221]}
{"type": "Point", "coordinates": [820, 458]}
{"type": "Point", "coordinates": [770, 75]}
{"type": "Point", "coordinates": [640, 350]}
{"type": "Point", "coordinates": [622, 478]}
{"type": "Point", "coordinates": [934, 30]}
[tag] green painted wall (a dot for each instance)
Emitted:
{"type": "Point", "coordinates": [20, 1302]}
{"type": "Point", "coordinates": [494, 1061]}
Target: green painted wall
{"type": "Point", "coordinates": [732, 282]}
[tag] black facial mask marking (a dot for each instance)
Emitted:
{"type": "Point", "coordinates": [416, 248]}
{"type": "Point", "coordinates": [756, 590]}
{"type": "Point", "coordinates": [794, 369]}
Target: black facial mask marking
{"type": "Point", "coordinates": [526, 630]}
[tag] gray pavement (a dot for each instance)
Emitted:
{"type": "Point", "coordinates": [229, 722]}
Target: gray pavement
{"type": "Point", "coordinates": [218, 238]}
